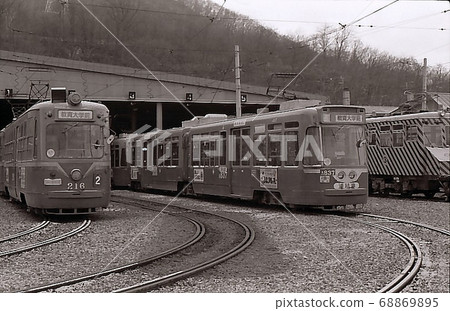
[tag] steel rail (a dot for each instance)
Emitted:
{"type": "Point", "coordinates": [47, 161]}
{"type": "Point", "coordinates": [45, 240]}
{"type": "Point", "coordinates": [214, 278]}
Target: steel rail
{"type": "Point", "coordinates": [173, 277]}
{"type": "Point", "coordinates": [200, 232]}
{"type": "Point", "coordinates": [61, 237]}
{"type": "Point", "coordinates": [28, 231]}
{"type": "Point", "coordinates": [440, 230]}
{"type": "Point", "coordinates": [410, 270]}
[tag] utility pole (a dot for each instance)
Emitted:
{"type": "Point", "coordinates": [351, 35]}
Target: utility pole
{"type": "Point", "coordinates": [424, 85]}
{"type": "Point", "coordinates": [237, 70]}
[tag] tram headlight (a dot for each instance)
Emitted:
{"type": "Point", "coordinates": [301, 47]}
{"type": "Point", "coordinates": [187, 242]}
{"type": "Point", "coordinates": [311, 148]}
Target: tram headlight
{"type": "Point", "coordinates": [352, 175]}
{"type": "Point", "coordinates": [74, 99]}
{"type": "Point", "coordinates": [341, 175]}
{"type": "Point", "coordinates": [76, 174]}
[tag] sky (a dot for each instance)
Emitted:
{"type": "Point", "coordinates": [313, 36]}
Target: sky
{"type": "Point", "coordinates": [406, 28]}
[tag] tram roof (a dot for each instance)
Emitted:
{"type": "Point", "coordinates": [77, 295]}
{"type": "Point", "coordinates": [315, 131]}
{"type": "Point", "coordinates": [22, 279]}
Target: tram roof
{"type": "Point", "coordinates": [419, 115]}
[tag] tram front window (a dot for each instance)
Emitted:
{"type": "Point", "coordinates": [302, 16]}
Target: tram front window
{"type": "Point", "coordinates": [342, 145]}
{"type": "Point", "coordinates": [74, 141]}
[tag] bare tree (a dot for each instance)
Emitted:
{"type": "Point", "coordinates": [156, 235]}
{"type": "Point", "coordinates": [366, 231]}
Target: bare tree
{"type": "Point", "coordinates": [342, 41]}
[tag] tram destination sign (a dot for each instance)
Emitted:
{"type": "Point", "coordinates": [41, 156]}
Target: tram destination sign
{"type": "Point", "coordinates": [75, 114]}
{"type": "Point", "coordinates": [349, 118]}
{"type": "Point", "coordinates": [343, 117]}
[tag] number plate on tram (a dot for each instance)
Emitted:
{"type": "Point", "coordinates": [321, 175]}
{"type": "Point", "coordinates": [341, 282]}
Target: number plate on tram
{"type": "Point", "coordinates": [327, 172]}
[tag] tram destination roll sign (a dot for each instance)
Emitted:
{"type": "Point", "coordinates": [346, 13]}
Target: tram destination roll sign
{"type": "Point", "coordinates": [75, 115]}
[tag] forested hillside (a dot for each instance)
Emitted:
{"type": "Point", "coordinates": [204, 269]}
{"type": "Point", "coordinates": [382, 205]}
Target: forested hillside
{"type": "Point", "coordinates": [197, 37]}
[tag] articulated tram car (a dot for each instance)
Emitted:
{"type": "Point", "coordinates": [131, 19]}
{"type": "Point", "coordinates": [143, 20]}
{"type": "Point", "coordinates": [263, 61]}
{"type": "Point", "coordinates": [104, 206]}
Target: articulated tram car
{"type": "Point", "coordinates": [409, 153]}
{"type": "Point", "coordinates": [56, 156]}
{"type": "Point", "coordinates": [301, 157]}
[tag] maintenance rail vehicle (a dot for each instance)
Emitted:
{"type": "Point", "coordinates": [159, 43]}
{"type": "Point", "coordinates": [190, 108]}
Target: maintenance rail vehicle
{"type": "Point", "coordinates": [409, 154]}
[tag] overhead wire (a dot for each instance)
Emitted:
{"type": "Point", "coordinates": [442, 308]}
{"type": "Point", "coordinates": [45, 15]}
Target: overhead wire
{"type": "Point", "coordinates": [212, 19]}
{"type": "Point", "coordinates": [341, 28]}
{"type": "Point", "coordinates": [242, 18]}
{"type": "Point", "coordinates": [403, 22]}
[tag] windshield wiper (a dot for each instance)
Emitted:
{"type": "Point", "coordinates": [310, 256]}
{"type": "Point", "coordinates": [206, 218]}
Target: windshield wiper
{"type": "Point", "coordinates": [69, 128]}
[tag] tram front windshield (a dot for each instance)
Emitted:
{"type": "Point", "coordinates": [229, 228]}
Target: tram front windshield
{"type": "Point", "coordinates": [342, 145]}
{"type": "Point", "coordinates": [74, 141]}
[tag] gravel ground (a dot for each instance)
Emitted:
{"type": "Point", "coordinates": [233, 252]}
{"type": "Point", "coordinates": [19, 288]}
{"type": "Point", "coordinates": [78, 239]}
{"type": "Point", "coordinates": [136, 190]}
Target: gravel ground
{"type": "Point", "coordinates": [108, 242]}
{"type": "Point", "coordinates": [303, 251]}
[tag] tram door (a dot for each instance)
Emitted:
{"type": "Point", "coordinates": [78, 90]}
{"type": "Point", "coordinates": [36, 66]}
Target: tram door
{"type": "Point", "coordinates": [15, 169]}
{"type": "Point", "coordinates": [240, 155]}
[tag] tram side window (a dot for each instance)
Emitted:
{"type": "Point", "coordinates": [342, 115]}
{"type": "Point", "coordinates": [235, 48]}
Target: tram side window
{"type": "Point", "coordinates": [411, 133]}
{"type": "Point", "coordinates": [237, 141]}
{"type": "Point", "coordinates": [175, 151]}
{"type": "Point", "coordinates": [167, 152]}
{"type": "Point", "coordinates": [9, 146]}
{"type": "Point", "coordinates": [113, 152]}
{"type": "Point", "coordinates": [196, 150]}
{"type": "Point", "coordinates": [274, 149]}
{"type": "Point", "coordinates": [433, 135]}
{"type": "Point", "coordinates": [26, 140]}
{"type": "Point", "coordinates": [204, 150]}
{"type": "Point", "coordinates": [292, 124]}
{"type": "Point", "coordinates": [245, 154]}
{"type": "Point", "coordinates": [115, 156]}
{"type": "Point", "coordinates": [35, 137]}
{"type": "Point", "coordinates": [260, 158]}
{"type": "Point", "coordinates": [214, 141]}
{"type": "Point", "coordinates": [159, 154]}
{"type": "Point", "coordinates": [292, 148]}
{"type": "Point", "coordinates": [123, 157]}
{"type": "Point", "coordinates": [372, 137]}
{"type": "Point", "coordinates": [385, 136]}
{"type": "Point", "coordinates": [133, 154]}
{"type": "Point", "coordinates": [96, 143]}
{"type": "Point", "coordinates": [397, 135]}
{"type": "Point", "coordinates": [240, 150]}
{"type": "Point", "coordinates": [397, 139]}
{"type": "Point", "coordinates": [21, 141]}
{"type": "Point", "coordinates": [223, 148]}
{"type": "Point", "coordinates": [385, 139]}
{"type": "Point", "coordinates": [30, 154]}
{"type": "Point", "coordinates": [274, 127]}
{"type": "Point", "coordinates": [144, 154]}
{"type": "Point", "coordinates": [155, 155]}
{"type": "Point", "coordinates": [311, 147]}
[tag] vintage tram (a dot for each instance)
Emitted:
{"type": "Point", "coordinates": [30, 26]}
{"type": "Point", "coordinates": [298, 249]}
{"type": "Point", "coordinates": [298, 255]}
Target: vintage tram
{"type": "Point", "coordinates": [299, 157]}
{"type": "Point", "coordinates": [123, 158]}
{"type": "Point", "coordinates": [409, 153]}
{"type": "Point", "coordinates": [56, 156]}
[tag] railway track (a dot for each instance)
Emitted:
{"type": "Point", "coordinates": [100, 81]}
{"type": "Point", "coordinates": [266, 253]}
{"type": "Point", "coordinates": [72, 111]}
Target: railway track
{"type": "Point", "coordinates": [410, 270]}
{"type": "Point", "coordinates": [52, 240]}
{"type": "Point", "coordinates": [439, 197]}
{"type": "Point", "coordinates": [416, 257]}
{"type": "Point", "coordinates": [171, 277]}
{"type": "Point", "coordinates": [184, 273]}
{"type": "Point", "coordinates": [440, 230]}
{"type": "Point", "coordinates": [199, 233]}
{"type": "Point", "coordinates": [38, 227]}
